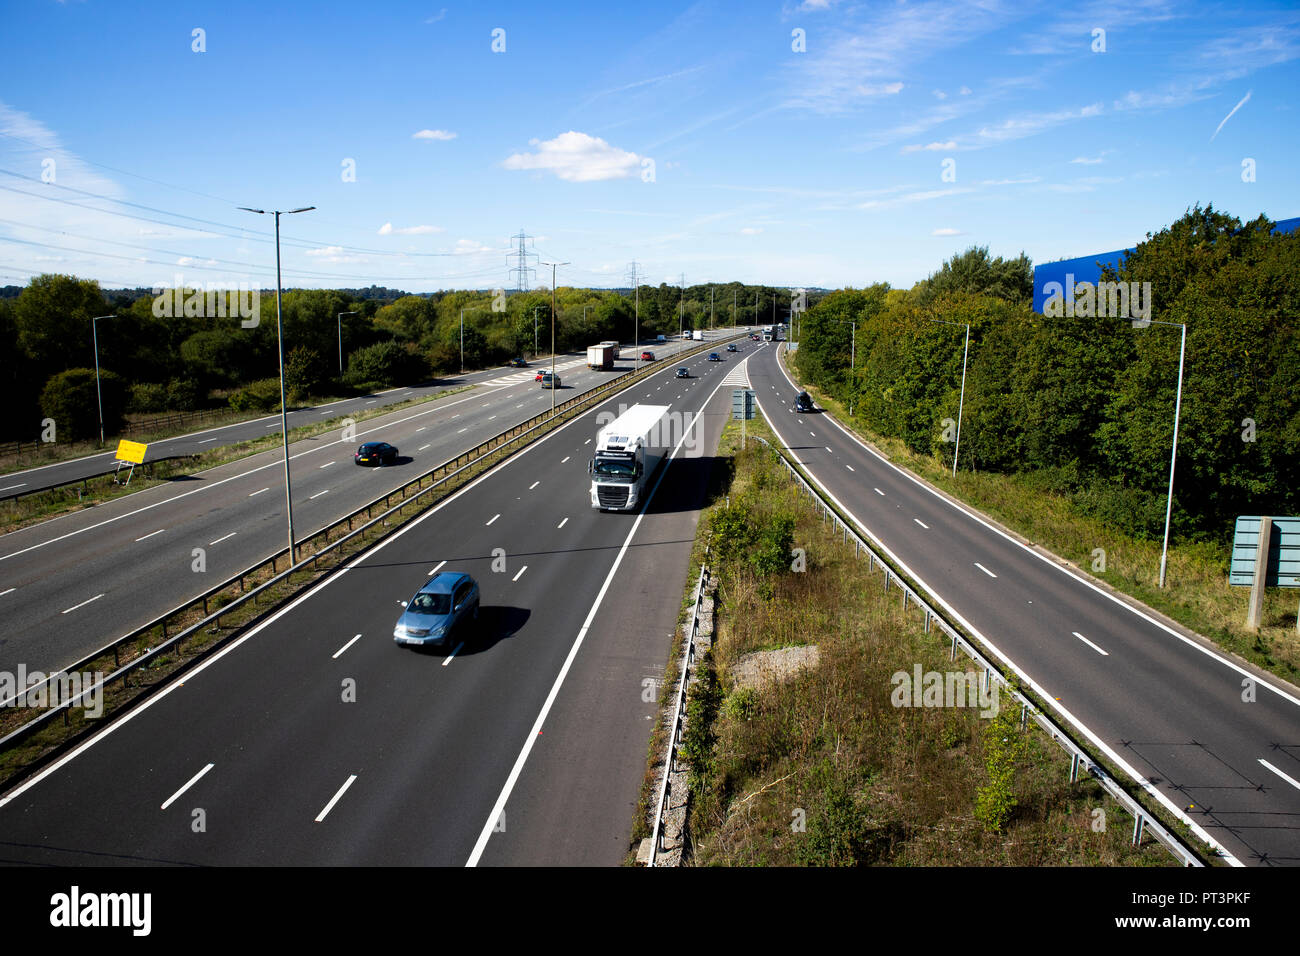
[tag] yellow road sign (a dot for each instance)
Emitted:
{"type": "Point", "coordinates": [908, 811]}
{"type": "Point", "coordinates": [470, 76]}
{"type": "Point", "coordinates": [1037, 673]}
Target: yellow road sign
{"type": "Point", "coordinates": [131, 451]}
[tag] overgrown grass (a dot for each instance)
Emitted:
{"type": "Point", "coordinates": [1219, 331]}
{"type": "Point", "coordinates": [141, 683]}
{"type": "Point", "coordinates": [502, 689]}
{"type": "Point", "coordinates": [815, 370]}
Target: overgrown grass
{"type": "Point", "coordinates": [821, 768]}
{"type": "Point", "coordinates": [1197, 594]}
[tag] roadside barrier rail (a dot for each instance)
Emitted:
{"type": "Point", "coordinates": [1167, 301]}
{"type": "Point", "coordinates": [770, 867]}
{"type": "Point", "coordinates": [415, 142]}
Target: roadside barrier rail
{"type": "Point", "coordinates": [1080, 759]}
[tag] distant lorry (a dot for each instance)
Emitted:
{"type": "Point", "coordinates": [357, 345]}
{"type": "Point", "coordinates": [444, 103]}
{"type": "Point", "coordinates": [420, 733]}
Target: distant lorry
{"type": "Point", "coordinates": [601, 357]}
{"type": "Point", "coordinates": [628, 450]}
{"type": "Point", "coordinates": [698, 335]}
{"type": "Point", "coordinates": [612, 344]}
{"type": "Point", "coordinates": [767, 333]}
{"type": "Point", "coordinates": [661, 338]}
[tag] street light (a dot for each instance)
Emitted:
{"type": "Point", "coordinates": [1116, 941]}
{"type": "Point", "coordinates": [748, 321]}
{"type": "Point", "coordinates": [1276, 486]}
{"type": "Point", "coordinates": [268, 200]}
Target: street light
{"type": "Point", "coordinates": [962, 400]}
{"type": "Point", "coordinates": [1173, 453]}
{"type": "Point", "coordinates": [94, 334]}
{"type": "Point", "coordinates": [552, 265]}
{"type": "Point", "coordinates": [279, 333]}
{"type": "Point", "coordinates": [341, 314]}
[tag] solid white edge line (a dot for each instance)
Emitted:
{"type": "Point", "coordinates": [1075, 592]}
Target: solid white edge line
{"type": "Point", "coordinates": [339, 652]}
{"type": "Point", "coordinates": [1090, 644]}
{"type": "Point", "coordinates": [193, 780]}
{"type": "Point", "coordinates": [1289, 779]}
{"type": "Point", "coordinates": [1051, 701]}
{"type": "Point", "coordinates": [126, 718]}
{"type": "Point", "coordinates": [335, 799]}
{"type": "Point", "coordinates": [1069, 572]}
{"type": "Point", "coordinates": [517, 769]}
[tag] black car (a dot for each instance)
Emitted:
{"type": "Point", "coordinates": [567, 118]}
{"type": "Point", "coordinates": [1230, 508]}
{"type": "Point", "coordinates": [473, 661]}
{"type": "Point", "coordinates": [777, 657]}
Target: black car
{"type": "Point", "coordinates": [683, 373]}
{"type": "Point", "coordinates": [517, 363]}
{"type": "Point", "coordinates": [803, 403]}
{"type": "Point", "coordinates": [731, 347]}
{"type": "Point", "coordinates": [715, 357]}
{"type": "Point", "coordinates": [375, 453]}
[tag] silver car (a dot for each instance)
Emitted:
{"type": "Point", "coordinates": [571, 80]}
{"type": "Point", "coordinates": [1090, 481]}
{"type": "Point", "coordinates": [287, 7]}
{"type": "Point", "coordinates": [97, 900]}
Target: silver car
{"type": "Point", "coordinates": [431, 617]}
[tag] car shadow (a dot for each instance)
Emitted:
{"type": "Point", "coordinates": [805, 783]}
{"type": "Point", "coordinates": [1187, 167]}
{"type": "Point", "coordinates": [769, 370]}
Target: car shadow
{"type": "Point", "coordinates": [496, 623]}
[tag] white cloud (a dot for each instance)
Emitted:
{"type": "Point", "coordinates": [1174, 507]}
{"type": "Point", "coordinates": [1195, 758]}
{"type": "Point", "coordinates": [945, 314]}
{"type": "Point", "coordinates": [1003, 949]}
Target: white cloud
{"type": "Point", "coordinates": [880, 89]}
{"type": "Point", "coordinates": [578, 158]}
{"type": "Point", "coordinates": [909, 198]}
{"type": "Point", "coordinates": [931, 147]}
{"type": "Point", "coordinates": [939, 94]}
{"type": "Point", "coordinates": [439, 134]}
{"type": "Point", "coordinates": [434, 19]}
{"type": "Point", "coordinates": [947, 232]}
{"type": "Point", "coordinates": [387, 230]}
{"type": "Point", "coordinates": [1086, 161]}
{"type": "Point", "coordinates": [965, 91]}
{"type": "Point", "coordinates": [334, 254]}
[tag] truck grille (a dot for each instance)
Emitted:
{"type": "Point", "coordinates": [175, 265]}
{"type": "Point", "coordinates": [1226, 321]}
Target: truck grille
{"type": "Point", "coordinates": [612, 496]}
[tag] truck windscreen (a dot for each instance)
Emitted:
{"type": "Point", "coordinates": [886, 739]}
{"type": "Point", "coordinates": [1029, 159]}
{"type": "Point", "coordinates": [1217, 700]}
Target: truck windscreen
{"type": "Point", "coordinates": [609, 466]}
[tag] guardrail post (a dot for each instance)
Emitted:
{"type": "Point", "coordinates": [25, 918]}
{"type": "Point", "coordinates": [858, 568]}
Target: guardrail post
{"type": "Point", "coordinates": [952, 655]}
{"type": "Point", "coordinates": [1138, 826]}
{"type": "Point", "coordinates": [1024, 715]}
{"type": "Point", "coordinates": [1074, 768]}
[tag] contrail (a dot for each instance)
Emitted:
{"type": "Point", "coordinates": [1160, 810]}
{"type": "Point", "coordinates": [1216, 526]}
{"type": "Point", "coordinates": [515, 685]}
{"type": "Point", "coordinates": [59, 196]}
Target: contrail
{"type": "Point", "coordinates": [1229, 116]}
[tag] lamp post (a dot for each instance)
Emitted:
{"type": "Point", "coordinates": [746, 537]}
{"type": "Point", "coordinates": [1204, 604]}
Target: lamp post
{"type": "Point", "coordinates": [553, 386]}
{"type": "Point", "coordinates": [1173, 452]}
{"type": "Point", "coordinates": [279, 334]}
{"type": "Point", "coordinates": [94, 334]}
{"type": "Point", "coordinates": [961, 401]}
{"type": "Point", "coordinates": [341, 314]}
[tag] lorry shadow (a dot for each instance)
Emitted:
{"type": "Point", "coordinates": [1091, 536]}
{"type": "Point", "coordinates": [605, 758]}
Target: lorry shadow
{"type": "Point", "coordinates": [685, 487]}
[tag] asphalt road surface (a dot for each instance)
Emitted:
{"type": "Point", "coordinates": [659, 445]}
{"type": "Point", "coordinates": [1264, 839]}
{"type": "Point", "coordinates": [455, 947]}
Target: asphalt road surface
{"type": "Point", "coordinates": [314, 739]}
{"type": "Point", "coordinates": [1169, 708]}
{"type": "Point", "coordinates": [71, 585]}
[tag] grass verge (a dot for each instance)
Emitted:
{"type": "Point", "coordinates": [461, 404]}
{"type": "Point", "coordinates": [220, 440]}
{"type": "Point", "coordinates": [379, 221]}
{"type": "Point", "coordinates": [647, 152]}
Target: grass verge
{"type": "Point", "coordinates": [819, 767]}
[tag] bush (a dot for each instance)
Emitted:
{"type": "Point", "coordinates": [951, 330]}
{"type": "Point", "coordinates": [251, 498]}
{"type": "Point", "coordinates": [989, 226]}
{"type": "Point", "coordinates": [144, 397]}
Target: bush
{"type": "Point", "coordinates": [70, 399]}
{"type": "Point", "coordinates": [185, 395]}
{"type": "Point", "coordinates": [147, 397]}
{"type": "Point", "coordinates": [387, 363]}
{"type": "Point", "coordinates": [1004, 746]}
{"type": "Point", "coordinates": [261, 396]}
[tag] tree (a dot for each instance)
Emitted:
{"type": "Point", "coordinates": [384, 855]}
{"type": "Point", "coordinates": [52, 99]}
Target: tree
{"type": "Point", "coordinates": [974, 272]}
{"type": "Point", "coordinates": [69, 397]}
{"type": "Point", "coordinates": [53, 315]}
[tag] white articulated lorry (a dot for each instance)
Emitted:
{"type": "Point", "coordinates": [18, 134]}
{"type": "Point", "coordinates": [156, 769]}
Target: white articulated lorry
{"type": "Point", "coordinates": [601, 357]}
{"type": "Point", "coordinates": [628, 450]}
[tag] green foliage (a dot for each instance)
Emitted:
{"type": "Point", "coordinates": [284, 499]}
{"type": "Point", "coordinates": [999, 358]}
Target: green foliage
{"type": "Point", "coordinates": [70, 399]}
{"type": "Point", "coordinates": [260, 396]}
{"type": "Point", "coordinates": [838, 828]}
{"type": "Point", "coordinates": [700, 734]}
{"type": "Point", "coordinates": [974, 273]}
{"type": "Point", "coordinates": [1005, 745]}
{"type": "Point", "coordinates": [147, 397]}
{"type": "Point", "coordinates": [304, 372]}
{"type": "Point", "coordinates": [386, 364]}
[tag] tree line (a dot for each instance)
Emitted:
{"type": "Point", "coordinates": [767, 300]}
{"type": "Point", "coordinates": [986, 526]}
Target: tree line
{"type": "Point", "coordinates": [190, 357]}
{"type": "Point", "coordinates": [1082, 405]}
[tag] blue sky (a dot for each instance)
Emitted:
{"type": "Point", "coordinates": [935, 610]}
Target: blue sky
{"type": "Point", "coordinates": [692, 138]}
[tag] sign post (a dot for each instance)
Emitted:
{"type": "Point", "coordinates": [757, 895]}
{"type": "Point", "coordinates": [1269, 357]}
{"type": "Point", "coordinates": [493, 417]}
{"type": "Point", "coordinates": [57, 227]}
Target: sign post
{"type": "Point", "coordinates": [1265, 553]}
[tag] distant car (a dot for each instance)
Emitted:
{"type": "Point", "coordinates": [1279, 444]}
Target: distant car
{"type": "Point", "coordinates": [448, 599]}
{"type": "Point", "coordinates": [517, 363]}
{"type": "Point", "coordinates": [803, 403]}
{"type": "Point", "coordinates": [538, 376]}
{"type": "Point", "coordinates": [715, 357]}
{"type": "Point", "coordinates": [375, 453]}
{"type": "Point", "coordinates": [647, 356]}
{"type": "Point", "coordinates": [731, 347]}
{"type": "Point", "coordinates": [660, 338]}
{"type": "Point", "coordinates": [755, 338]}
{"type": "Point", "coordinates": [550, 380]}
{"type": "Point", "coordinates": [683, 373]}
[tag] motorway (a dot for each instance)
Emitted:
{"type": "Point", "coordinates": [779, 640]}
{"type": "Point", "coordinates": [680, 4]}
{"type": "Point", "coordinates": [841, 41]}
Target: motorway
{"type": "Point", "coordinates": [314, 739]}
{"type": "Point", "coordinates": [1166, 707]}
{"type": "Point", "coordinates": [70, 585]}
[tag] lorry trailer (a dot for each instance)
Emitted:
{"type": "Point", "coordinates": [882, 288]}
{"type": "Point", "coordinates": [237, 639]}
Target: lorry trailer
{"type": "Point", "coordinates": [628, 450]}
